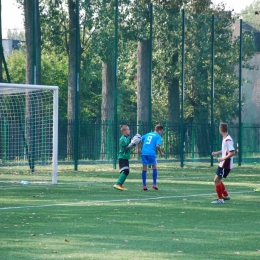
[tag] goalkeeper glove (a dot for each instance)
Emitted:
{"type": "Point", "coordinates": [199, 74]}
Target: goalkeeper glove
{"type": "Point", "coordinates": [132, 144]}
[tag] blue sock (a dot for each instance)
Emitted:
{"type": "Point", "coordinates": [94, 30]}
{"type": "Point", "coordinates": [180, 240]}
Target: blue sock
{"type": "Point", "coordinates": [144, 177]}
{"type": "Point", "coordinates": [155, 173]}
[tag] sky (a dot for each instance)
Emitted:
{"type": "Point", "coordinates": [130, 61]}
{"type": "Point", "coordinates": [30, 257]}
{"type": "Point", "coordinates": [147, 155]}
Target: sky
{"type": "Point", "coordinates": [237, 5]}
{"type": "Point", "coordinates": [12, 17]}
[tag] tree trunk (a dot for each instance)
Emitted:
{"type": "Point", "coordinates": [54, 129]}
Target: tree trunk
{"type": "Point", "coordinates": [202, 132]}
{"type": "Point", "coordinates": [107, 106]}
{"type": "Point", "coordinates": [174, 108]}
{"type": "Point", "coordinates": [143, 65]}
{"type": "Point", "coordinates": [174, 96]}
{"type": "Point", "coordinates": [71, 79]}
{"type": "Point", "coordinates": [174, 102]}
{"type": "Point", "coordinates": [201, 115]}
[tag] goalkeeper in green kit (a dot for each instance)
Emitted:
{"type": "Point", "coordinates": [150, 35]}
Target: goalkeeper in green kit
{"type": "Point", "coordinates": [125, 147]}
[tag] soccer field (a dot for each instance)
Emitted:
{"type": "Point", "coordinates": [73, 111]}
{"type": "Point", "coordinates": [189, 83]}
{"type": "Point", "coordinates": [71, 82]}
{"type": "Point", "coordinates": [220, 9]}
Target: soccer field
{"type": "Point", "coordinates": [84, 217]}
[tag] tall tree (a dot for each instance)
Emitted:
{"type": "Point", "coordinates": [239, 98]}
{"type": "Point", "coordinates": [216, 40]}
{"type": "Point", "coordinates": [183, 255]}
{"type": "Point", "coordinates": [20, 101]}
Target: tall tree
{"type": "Point", "coordinates": [106, 34]}
{"type": "Point", "coordinates": [143, 66]}
{"type": "Point", "coordinates": [103, 39]}
{"type": "Point", "coordinates": [72, 88]}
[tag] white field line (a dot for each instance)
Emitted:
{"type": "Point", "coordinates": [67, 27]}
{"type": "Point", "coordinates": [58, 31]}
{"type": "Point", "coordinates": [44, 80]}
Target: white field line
{"type": "Point", "coordinates": [120, 200]}
{"type": "Point", "coordinates": [36, 183]}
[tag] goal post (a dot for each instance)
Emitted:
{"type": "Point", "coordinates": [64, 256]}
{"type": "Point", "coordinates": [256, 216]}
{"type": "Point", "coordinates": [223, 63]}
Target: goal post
{"type": "Point", "coordinates": [29, 131]}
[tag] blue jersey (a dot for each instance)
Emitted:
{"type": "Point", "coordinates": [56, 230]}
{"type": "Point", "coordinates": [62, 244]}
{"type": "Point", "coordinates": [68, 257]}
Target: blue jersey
{"type": "Point", "coordinates": [150, 141]}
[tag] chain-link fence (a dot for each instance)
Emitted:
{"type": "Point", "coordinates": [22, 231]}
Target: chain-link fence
{"type": "Point", "coordinates": [144, 64]}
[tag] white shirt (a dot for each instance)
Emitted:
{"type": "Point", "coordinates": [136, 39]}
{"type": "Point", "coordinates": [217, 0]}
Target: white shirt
{"type": "Point", "coordinates": [227, 146]}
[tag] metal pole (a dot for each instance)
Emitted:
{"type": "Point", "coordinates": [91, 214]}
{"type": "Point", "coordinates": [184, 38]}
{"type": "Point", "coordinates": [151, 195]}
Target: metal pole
{"type": "Point", "coordinates": [182, 90]}
{"type": "Point", "coordinates": [193, 140]}
{"type": "Point", "coordinates": [2, 56]}
{"type": "Point", "coordinates": [166, 140]}
{"type": "Point", "coordinates": [108, 139]}
{"type": "Point", "coordinates": [76, 129]}
{"type": "Point", "coordinates": [150, 68]}
{"type": "Point", "coordinates": [212, 85]}
{"type": "Point", "coordinates": [115, 84]}
{"type": "Point", "coordinates": [43, 148]}
{"type": "Point", "coordinates": [1, 47]}
{"type": "Point", "coordinates": [240, 94]}
{"type": "Point", "coordinates": [34, 20]}
{"type": "Point", "coordinates": [5, 139]}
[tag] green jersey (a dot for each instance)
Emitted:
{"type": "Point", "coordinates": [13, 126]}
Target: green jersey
{"type": "Point", "coordinates": [124, 141]}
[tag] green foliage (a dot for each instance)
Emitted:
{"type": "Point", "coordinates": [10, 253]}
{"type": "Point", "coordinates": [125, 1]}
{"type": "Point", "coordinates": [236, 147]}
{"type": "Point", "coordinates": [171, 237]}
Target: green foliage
{"type": "Point", "coordinates": [54, 19]}
{"type": "Point", "coordinates": [97, 46]}
{"type": "Point", "coordinates": [16, 63]}
{"type": "Point", "coordinates": [251, 14]}
{"type": "Point", "coordinates": [166, 61]}
{"type": "Point", "coordinates": [99, 25]}
{"type": "Point", "coordinates": [127, 80]}
{"type": "Point", "coordinates": [91, 85]}
{"type": "Point", "coordinates": [54, 73]}
{"type": "Point", "coordinates": [54, 26]}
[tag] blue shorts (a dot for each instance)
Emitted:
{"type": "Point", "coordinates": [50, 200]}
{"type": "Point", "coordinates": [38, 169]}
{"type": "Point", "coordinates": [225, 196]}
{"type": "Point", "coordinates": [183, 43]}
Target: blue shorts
{"type": "Point", "coordinates": [222, 172]}
{"type": "Point", "coordinates": [148, 160]}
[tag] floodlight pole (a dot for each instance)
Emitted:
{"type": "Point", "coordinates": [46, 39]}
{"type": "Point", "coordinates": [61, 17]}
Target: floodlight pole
{"type": "Point", "coordinates": [34, 20]}
{"type": "Point", "coordinates": [240, 95]}
{"type": "Point", "coordinates": [150, 69]}
{"type": "Point", "coordinates": [76, 130]}
{"type": "Point", "coordinates": [182, 90]}
{"type": "Point", "coordinates": [212, 86]}
{"type": "Point", "coordinates": [115, 84]}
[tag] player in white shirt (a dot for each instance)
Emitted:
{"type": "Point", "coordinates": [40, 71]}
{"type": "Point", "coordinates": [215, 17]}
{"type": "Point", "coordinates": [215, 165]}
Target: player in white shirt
{"type": "Point", "coordinates": [225, 164]}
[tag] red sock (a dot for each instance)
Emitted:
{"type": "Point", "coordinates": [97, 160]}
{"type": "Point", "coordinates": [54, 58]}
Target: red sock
{"type": "Point", "coordinates": [219, 191]}
{"type": "Point", "coordinates": [224, 191]}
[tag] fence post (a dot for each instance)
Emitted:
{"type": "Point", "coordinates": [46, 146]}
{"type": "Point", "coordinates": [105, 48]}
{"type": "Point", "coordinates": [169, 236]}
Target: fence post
{"type": "Point", "coordinates": [192, 140]}
{"type": "Point", "coordinates": [166, 140]}
{"type": "Point", "coordinates": [139, 131]}
{"type": "Point", "coordinates": [108, 139]}
{"type": "Point", "coordinates": [43, 150]}
{"type": "Point", "coordinates": [5, 139]}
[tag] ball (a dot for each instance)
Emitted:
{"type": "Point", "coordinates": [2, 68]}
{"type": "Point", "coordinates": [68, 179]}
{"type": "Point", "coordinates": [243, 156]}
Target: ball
{"type": "Point", "coordinates": [137, 139]}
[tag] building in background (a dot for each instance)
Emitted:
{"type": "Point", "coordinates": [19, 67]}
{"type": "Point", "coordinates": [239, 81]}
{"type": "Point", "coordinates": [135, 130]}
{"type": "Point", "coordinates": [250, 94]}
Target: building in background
{"type": "Point", "coordinates": [10, 45]}
{"type": "Point", "coordinates": [251, 85]}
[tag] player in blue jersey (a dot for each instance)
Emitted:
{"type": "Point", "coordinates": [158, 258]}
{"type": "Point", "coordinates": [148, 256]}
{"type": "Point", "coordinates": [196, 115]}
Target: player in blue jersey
{"type": "Point", "coordinates": [151, 142]}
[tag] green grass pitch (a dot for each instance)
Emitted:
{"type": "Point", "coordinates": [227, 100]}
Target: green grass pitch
{"type": "Point", "coordinates": [84, 217]}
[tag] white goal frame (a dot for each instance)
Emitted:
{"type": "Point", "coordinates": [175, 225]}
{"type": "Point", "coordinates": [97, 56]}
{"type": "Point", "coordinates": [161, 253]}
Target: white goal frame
{"type": "Point", "coordinates": [55, 120]}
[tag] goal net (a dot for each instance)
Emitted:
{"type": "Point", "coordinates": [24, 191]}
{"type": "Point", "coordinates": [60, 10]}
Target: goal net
{"type": "Point", "coordinates": [28, 132]}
